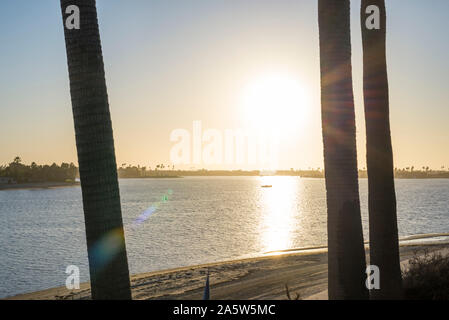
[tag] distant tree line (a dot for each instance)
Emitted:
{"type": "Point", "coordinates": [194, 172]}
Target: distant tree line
{"type": "Point", "coordinates": [412, 173]}
{"type": "Point", "coordinates": [424, 173]}
{"type": "Point", "coordinates": [66, 172]}
{"type": "Point", "coordinates": [160, 170]}
{"type": "Point", "coordinates": [19, 172]}
{"type": "Point", "coordinates": [169, 171]}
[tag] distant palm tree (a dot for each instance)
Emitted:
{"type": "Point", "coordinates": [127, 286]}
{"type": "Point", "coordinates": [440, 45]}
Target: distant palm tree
{"type": "Point", "coordinates": [346, 255]}
{"type": "Point", "coordinates": [383, 227]}
{"type": "Point", "coordinates": [106, 248]}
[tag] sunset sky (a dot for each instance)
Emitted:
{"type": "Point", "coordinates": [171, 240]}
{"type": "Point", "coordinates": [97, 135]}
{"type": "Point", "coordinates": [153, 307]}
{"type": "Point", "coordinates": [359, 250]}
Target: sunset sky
{"type": "Point", "coordinates": [169, 63]}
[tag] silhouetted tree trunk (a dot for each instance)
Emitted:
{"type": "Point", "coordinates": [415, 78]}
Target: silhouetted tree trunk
{"type": "Point", "coordinates": [346, 256]}
{"type": "Point", "coordinates": [384, 247]}
{"type": "Point", "coordinates": [108, 262]}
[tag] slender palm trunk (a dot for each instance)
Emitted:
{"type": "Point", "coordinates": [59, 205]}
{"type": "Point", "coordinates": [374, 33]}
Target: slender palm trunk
{"type": "Point", "coordinates": [345, 238]}
{"type": "Point", "coordinates": [108, 263]}
{"type": "Point", "coordinates": [384, 247]}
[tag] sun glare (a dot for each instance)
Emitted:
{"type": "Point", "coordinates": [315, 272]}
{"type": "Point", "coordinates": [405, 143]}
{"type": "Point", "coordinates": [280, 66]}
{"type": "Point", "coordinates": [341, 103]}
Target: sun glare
{"type": "Point", "coordinates": [275, 101]}
{"type": "Point", "coordinates": [279, 204]}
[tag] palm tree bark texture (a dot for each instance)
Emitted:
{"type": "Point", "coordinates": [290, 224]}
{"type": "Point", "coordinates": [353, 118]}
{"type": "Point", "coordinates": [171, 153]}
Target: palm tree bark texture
{"type": "Point", "coordinates": [346, 254]}
{"type": "Point", "coordinates": [383, 229]}
{"type": "Point", "coordinates": [106, 248]}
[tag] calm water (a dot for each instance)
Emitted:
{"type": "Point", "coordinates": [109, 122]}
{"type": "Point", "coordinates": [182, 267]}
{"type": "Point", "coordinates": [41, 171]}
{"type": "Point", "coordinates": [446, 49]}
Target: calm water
{"type": "Point", "coordinates": [196, 220]}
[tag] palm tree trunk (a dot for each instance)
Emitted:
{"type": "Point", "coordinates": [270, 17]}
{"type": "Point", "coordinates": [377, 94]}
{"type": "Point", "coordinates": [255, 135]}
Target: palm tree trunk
{"type": "Point", "coordinates": [108, 262]}
{"type": "Point", "coordinates": [384, 247]}
{"type": "Point", "coordinates": [346, 255]}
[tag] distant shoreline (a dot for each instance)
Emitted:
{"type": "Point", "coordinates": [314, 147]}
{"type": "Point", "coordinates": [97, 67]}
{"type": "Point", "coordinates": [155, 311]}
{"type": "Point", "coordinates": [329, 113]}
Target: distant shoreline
{"type": "Point", "coordinates": [274, 175]}
{"type": "Point", "coordinates": [38, 185]}
{"type": "Point", "coordinates": [54, 185]}
{"type": "Point", "coordinates": [156, 177]}
{"type": "Point", "coordinates": [421, 175]}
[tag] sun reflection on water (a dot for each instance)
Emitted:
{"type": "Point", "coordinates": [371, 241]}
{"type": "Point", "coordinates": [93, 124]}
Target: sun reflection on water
{"type": "Point", "coordinates": [279, 207]}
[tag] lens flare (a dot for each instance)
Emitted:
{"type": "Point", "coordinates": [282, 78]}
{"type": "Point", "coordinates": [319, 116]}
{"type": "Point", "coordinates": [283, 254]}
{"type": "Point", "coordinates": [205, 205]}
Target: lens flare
{"type": "Point", "coordinates": [151, 210]}
{"type": "Point", "coordinates": [106, 248]}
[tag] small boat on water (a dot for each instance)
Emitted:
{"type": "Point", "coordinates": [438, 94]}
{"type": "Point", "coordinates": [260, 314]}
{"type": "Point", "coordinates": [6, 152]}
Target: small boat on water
{"type": "Point", "coordinates": [266, 186]}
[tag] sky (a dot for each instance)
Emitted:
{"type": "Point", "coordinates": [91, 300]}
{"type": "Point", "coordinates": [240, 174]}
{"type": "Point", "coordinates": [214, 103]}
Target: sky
{"type": "Point", "coordinates": [169, 63]}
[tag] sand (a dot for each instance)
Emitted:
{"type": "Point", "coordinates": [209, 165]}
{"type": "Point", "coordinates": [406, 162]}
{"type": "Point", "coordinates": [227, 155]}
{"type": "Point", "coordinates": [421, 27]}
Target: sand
{"type": "Point", "coordinates": [260, 278]}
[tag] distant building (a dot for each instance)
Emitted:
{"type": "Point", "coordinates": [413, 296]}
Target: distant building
{"type": "Point", "coordinates": [7, 180]}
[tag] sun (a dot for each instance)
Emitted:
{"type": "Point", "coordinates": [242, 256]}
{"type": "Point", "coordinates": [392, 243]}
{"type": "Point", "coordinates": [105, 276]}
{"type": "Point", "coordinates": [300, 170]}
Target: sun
{"type": "Point", "coordinates": [275, 101]}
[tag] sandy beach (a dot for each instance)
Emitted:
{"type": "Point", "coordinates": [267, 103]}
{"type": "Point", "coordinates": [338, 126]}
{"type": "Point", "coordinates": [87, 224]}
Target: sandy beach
{"type": "Point", "coordinates": [260, 278]}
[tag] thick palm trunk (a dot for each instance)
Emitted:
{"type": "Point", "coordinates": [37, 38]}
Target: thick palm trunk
{"type": "Point", "coordinates": [345, 238]}
{"type": "Point", "coordinates": [384, 247]}
{"type": "Point", "coordinates": [108, 263]}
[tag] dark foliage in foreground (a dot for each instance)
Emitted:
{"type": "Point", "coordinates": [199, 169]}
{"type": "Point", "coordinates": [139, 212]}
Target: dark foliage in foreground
{"type": "Point", "coordinates": [427, 278]}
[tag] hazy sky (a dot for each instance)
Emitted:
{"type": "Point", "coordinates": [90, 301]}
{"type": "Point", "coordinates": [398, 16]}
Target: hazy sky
{"type": "Point", "coordinates": [169, 63]}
